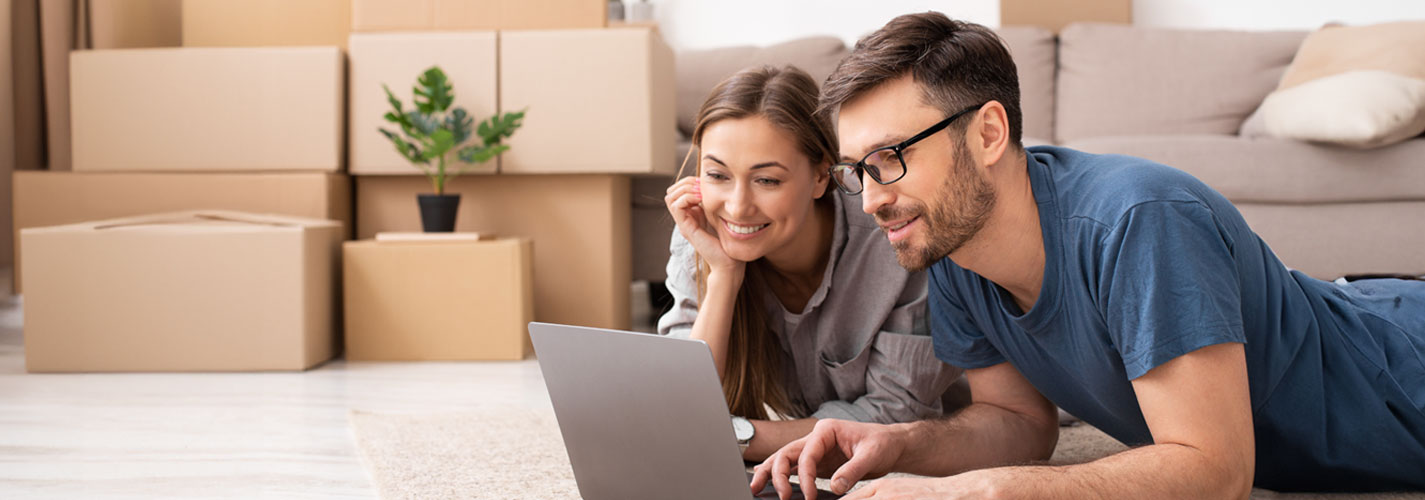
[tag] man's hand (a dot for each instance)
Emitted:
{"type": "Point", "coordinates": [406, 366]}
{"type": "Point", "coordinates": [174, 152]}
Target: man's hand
{"type": "Point", "coordinates": [844, 451]}
{"type": "Point", "coordinates": [973, 485]}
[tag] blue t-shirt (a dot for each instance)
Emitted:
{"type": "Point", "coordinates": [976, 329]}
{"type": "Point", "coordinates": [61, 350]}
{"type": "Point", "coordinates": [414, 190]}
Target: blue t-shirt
{"type": "Point", "coordinates": [1144, 263]}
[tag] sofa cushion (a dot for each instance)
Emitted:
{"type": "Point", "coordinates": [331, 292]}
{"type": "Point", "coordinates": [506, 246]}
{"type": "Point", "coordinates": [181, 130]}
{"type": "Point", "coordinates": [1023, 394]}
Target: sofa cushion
{"type": "Point", "coordinates": [1280, 170]}
{"type": "Point", "coordinates": [1359, 109]}
{"type": "Point", "coordinates": [1033, 49]}
{"type": "Point", "coordinates": [698, 71]}
{"type": "Point", "coordinates": [1393, 47]}
{"type": "Point", "coordinates": [1119, 80]}
{"type": "Point", "coordinates": [1361, 86]}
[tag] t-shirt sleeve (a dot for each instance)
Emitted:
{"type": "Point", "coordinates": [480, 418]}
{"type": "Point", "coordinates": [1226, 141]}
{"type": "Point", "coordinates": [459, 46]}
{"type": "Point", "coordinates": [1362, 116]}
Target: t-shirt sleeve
{"type": "Point", "coordinates": [1168, 284]}
{"type": "Point", "coordinates": [958, 341]}
{"type": "Point", "coordinates": [683, 286]}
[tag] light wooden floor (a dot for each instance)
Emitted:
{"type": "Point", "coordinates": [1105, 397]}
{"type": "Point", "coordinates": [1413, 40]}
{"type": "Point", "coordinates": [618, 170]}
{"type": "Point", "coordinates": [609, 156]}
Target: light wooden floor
{"type": "Point", "coordinates": [241, 435]}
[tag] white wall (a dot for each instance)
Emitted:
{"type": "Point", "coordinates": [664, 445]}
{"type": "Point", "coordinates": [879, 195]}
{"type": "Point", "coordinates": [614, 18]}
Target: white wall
{"type": "Point", "coordinates": [695, 24]}
{"type": "Point", "coordinates": [1271, 14]}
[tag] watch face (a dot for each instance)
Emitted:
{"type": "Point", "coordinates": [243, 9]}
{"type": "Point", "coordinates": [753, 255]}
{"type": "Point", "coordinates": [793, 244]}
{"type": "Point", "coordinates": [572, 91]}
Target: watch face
{"type": "Point", "coordinates": [743, 428]}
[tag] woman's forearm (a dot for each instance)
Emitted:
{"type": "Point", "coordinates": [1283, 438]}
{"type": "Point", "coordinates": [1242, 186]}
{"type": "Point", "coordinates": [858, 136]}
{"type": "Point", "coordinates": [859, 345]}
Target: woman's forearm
{"type": "Point", "coordinates": [772, 435]}
{"type": "Point", "coordinates": [714, 322]}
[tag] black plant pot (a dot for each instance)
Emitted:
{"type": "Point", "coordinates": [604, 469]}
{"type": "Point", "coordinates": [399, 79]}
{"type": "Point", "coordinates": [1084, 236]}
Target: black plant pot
{"type": "Point", "coordinates": [438, 212]}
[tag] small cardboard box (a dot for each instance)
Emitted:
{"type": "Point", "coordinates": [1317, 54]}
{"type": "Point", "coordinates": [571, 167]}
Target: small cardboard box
{"type": "Point", "coordinates": [208, 109]}
{"type": "Point", "coordinates": [186, 291]}
{"type": "Point", "coordinates": [599, 101]}
{"type": "Point", "coordinates": [66, 26]}
{"type": "Point", "coordinates": [265, 23]}
{"type": "Point", "coordinates": [579, 225]}
{"type": "Point", "coordinates": [1053, 15]}
{"type": "Point", "coordinates": [413, 15]}
{"type": "Point", "coordinates": [397, 60]}
{"type": "Point", "coordinates": [437, 300]}
{"type": "Point", "coordinates": [56, 198]}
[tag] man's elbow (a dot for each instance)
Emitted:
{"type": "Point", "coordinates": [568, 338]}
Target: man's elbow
{"type": "Point", "coordinates": [1048, 441]}
{"type": "Point", "coordinates": [1233, 472]}
{"type": "Point", "coordinates": [1238, 483]}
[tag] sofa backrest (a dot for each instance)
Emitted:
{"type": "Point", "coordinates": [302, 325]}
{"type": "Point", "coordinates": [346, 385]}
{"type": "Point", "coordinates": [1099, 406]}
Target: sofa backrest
{"type": "Point", "coordinates": [1034, 52]}
{"type": "Point", "coordinates": [698, 71]}
{"type": "Point", "coordinates": [1121, 80]}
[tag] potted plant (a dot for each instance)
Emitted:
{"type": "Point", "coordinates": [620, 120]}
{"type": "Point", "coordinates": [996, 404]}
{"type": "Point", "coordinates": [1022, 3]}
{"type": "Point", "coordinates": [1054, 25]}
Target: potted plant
{"type": "Point", "coordinates": [434, 135]}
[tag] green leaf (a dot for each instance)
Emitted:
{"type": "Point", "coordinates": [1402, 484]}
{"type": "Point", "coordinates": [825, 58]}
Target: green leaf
{"type": "Point", "coordinates": [440, 142]}
{"type": "Point", "coordinates": [459, 122]}
{"type": "Point", "coordinates": [422, 122]}
{"type": "Point", "coordinates": [496, 128]}
{"type": "Point", "coordinates": [476, 155]}
{"type": "Point", "coordinates": [407, 150]}
{"type": "Point", "coordinates": [433, 91]}
{"type": "Point", "coordinates": [391, 98]}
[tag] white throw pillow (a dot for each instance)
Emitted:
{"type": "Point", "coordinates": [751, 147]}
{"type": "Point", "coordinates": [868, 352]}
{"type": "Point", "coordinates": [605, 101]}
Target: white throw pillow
{"type": "Point", "coordinates": [1361, 109]}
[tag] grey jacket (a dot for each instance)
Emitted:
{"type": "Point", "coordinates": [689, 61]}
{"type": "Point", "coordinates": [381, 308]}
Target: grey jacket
{"type": "Point", "coordinates": [861, 349]}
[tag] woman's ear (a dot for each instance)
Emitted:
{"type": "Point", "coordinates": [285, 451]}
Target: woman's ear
{"type": "Point", "coordinates": [823, 180]}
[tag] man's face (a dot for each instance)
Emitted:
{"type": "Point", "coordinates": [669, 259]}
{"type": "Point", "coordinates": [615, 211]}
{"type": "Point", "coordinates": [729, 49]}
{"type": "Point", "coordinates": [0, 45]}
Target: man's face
{"type": "Point", "coordinates": [944, 199]}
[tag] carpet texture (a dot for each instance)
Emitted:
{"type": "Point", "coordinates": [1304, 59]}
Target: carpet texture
{"type": "Point", "coordinates": [517, 453]}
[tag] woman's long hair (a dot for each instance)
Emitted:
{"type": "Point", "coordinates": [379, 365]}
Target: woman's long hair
{"type": "Point", "coordinates": [787, 98]}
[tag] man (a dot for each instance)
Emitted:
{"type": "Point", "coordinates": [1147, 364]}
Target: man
{"type": "Point", "coordinates": [1128, 293]}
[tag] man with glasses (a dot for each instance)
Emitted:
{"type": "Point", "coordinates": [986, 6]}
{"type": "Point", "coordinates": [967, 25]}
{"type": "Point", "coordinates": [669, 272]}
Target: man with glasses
{"type": "Point", "coordinates": [1126, 292]}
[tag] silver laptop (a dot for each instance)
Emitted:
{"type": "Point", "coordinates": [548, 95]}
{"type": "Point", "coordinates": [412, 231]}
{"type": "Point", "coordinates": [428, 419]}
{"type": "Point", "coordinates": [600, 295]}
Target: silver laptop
{"type": "Point", "coordinates": [643, 416]}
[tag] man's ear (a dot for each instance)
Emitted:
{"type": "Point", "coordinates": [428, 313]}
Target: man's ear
{"type": "Point", "coordinates": [989, 134]}
{"type": "Point", "coordinates": [823, 180]}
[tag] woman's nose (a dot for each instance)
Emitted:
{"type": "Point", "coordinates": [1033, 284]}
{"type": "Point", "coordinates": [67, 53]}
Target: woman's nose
{"type": "Point", "coordinates": [739, 202]}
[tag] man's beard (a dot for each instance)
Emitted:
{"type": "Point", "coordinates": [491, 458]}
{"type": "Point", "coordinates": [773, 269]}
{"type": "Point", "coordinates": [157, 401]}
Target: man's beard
{"type": "Point", "coordinates": [963, 204]}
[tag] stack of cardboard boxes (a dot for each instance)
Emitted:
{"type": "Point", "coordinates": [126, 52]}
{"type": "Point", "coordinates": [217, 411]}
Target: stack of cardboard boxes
{"type": "Point", "coordinates": [599, 109]}
{"type": "Point", "coordinates": [141, 126]}
{"type": "Point", "coordinates": [267, 104]}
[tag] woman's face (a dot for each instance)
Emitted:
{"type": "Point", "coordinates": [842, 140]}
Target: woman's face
{"type": "Point", "coordinates": [757, 186]}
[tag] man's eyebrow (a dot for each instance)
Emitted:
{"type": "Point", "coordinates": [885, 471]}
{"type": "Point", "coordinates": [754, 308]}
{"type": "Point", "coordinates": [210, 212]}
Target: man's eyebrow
{"type": "Point", "coordinates": [889, 140]}
{"type": "Point", "coordinates": [714, 158]}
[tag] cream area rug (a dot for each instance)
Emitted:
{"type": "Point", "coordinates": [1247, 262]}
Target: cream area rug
{"type": "Point", "coordinates": [518, 453]}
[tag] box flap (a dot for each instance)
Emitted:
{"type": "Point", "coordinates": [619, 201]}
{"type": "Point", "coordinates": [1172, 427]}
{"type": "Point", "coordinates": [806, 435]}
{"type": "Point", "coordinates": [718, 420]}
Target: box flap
{"type": "Point", "coordinates": [190, 219]}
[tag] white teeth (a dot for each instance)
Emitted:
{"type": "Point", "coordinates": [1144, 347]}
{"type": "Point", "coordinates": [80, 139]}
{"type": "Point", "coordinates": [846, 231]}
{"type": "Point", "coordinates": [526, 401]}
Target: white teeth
{"type": "Point", "coordinates": [744, 229]}
{"type": "Point", "coordinates": [897, 227]}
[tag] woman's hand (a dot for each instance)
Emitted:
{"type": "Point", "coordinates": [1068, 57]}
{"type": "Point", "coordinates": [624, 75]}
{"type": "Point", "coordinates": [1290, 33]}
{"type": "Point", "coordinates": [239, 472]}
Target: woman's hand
{"type": "Point", "coordinates": [684, 201]}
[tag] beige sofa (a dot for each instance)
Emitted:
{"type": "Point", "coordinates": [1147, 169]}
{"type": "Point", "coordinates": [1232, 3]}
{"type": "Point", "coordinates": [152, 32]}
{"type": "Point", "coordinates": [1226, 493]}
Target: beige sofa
{"type": "Point", "coordinates": [1178, 97]}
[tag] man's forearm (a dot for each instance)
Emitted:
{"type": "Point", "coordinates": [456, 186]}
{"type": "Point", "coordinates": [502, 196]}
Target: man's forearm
{"type": "Point", "coordinates": [1166, 471]}
{"type": "Point", "coordinates": [772, 435]}
{"type": "Point", "coordinates": [978, 437]}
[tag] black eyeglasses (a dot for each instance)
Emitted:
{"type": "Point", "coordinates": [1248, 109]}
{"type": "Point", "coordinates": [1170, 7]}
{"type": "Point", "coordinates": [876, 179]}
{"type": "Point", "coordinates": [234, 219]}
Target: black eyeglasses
{"type": "Point", "coordinates": [885, 164]}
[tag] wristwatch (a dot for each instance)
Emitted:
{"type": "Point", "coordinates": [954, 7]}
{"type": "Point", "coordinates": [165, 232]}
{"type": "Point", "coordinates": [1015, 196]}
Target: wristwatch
{"type": "Point", "coordinates": [744, 430]}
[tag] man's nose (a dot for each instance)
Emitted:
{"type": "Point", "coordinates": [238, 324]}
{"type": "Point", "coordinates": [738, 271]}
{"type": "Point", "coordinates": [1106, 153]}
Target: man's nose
{"type": "Point", "coordinates": [874, 195]}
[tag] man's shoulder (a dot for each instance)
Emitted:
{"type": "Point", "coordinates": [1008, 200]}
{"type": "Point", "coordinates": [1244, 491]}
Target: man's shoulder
{"type": "Point", "coordinates": [1105, 188]}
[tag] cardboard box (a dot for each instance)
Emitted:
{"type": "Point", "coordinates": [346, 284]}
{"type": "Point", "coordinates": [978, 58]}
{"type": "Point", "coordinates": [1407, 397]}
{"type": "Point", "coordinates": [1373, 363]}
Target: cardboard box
{"type": "Point", "coordinates": [134, 23]}
{"type": "Point", "coordinates": [579, 225]}
{"type": "Point", "coordinates": [1053, 15]}
{"type": "Point", "coordinates": [397, 60]}
{"type": "Point", "coordinates": [599, 101]}
{"type": "Point", "coordinates": [410, 15]}
{"type": "Point", "coordinates": [265, 23]}
{"type": "Point", "coordinates": [188, 291]}
{"type": "Point", "coordinates": [437, 300]}
{"type": "Point", "coordinates": [208, 109]}
{"type": "Point", "coordinates": [56, 198]}
{"type": "Point", "coordinates": [101, 25]}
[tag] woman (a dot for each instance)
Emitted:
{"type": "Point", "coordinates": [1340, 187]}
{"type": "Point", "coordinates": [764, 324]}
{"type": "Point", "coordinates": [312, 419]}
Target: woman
{"type": "Point", "coordinates": [794, 288]}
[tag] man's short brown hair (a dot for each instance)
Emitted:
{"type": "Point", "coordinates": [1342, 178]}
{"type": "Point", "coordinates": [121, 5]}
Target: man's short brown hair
{"type": "Point", "coordinates": [956, 64]}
